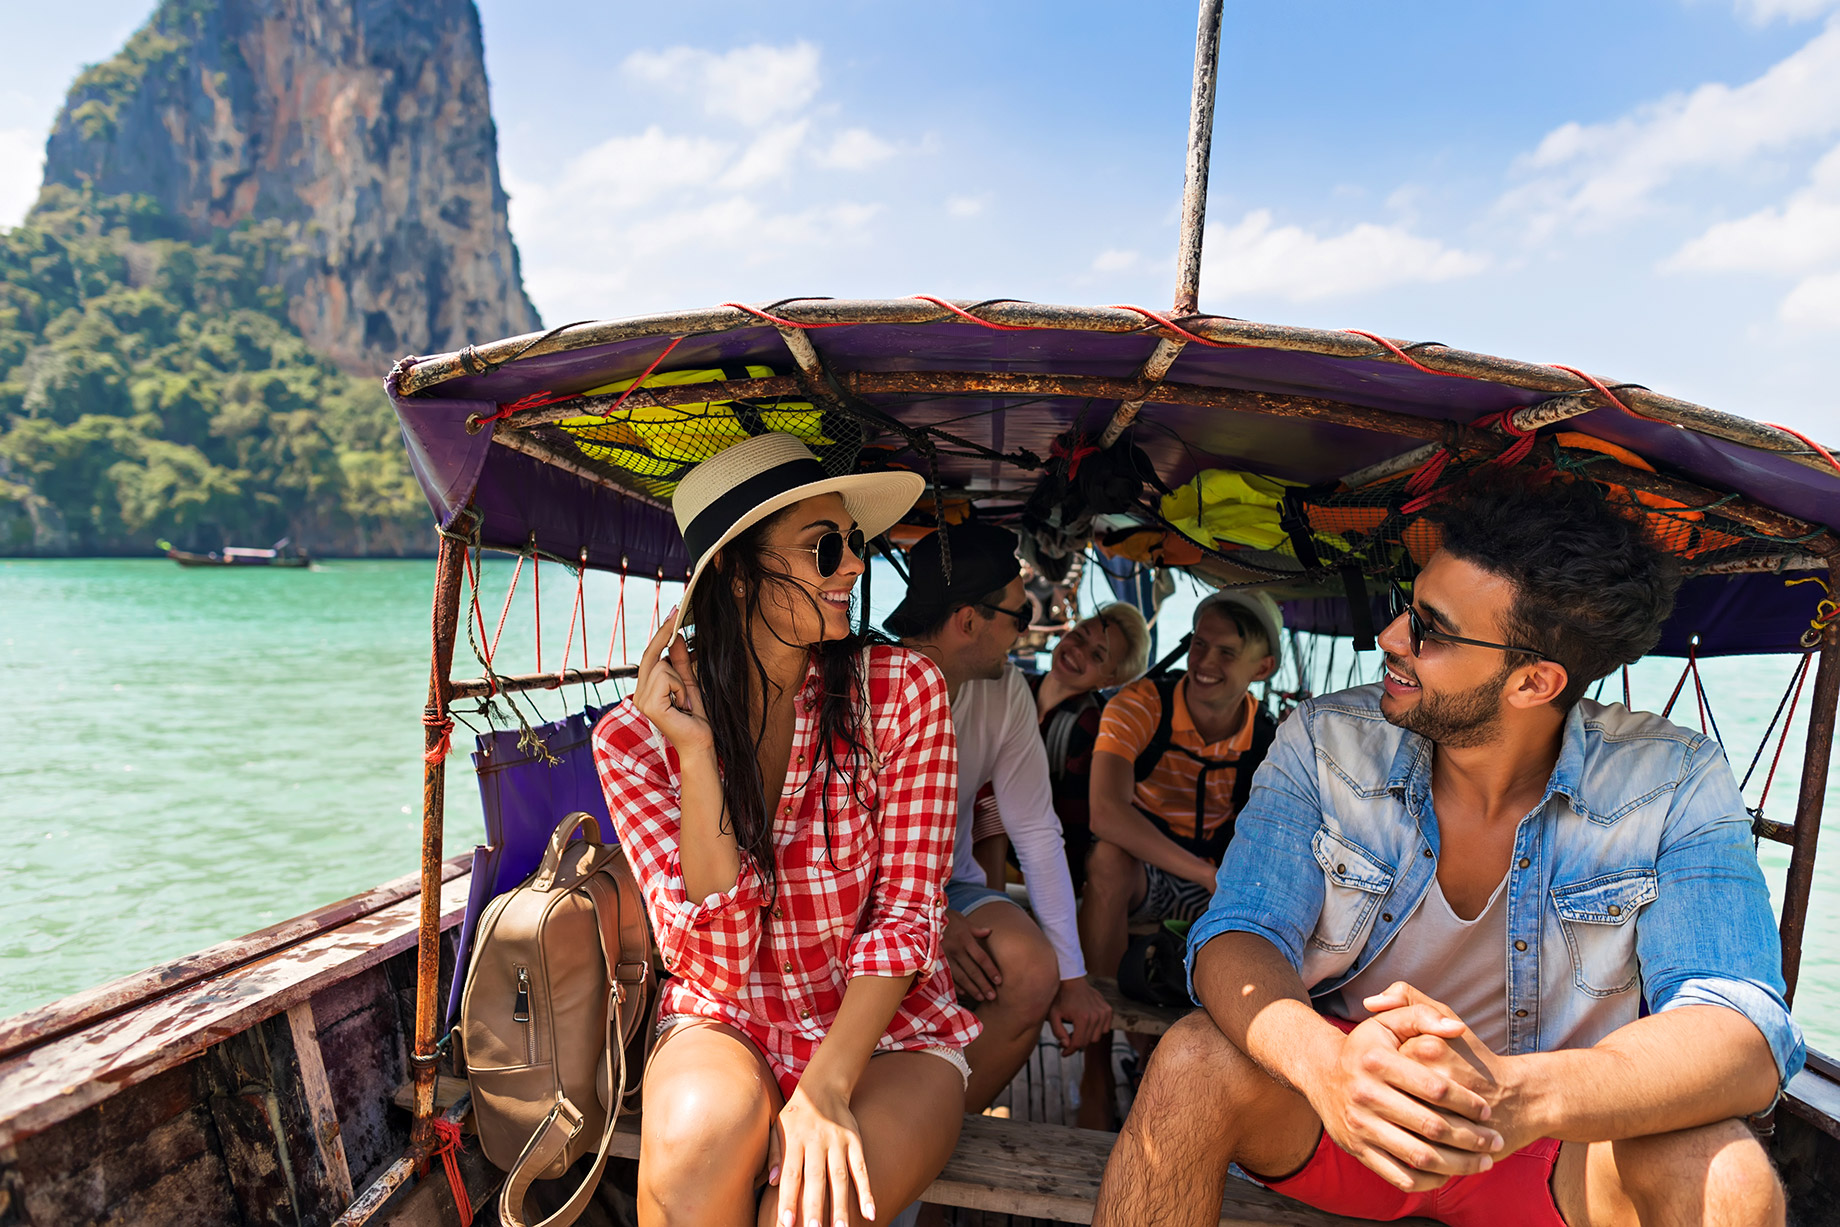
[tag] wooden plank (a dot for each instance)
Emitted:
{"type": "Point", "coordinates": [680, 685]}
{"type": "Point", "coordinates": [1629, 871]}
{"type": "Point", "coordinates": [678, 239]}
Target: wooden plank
{"type": "Point", "coordinates": [1053, 1171]}
{"type": "Point", "coordinates": [317, 1092]}
{"type": "Point", "coordinates": [1135, 1017]}
{"type": "Point", "coordinates": [92, 1005]}
{"type": "Point", "coordinates": [1815, 1097]}
{"type": "Point", "coordinates": [54, 1081]}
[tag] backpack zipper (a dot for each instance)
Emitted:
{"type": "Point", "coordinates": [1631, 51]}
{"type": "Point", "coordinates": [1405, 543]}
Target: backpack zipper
{"type": "Point", "coordinates": [520, 1012]}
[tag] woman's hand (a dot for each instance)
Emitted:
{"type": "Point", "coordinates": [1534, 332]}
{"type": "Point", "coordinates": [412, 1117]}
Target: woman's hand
{"type": "Point", "coordinates": [816, 1149]}
{"type": "Point", "coordinates": [666, 692]}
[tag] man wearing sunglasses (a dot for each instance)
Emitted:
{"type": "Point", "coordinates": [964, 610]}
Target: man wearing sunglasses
{"type": "Point", "coordinates": [1483, 950]}
{"type": "Point", "coordinates": [1010, 970]}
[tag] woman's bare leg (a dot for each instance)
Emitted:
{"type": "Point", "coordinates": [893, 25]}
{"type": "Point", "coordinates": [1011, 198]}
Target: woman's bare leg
{"type": "Point", "coordinates": [909, 1106]}
{"type": "Point", "coordinates": [710, 1099]}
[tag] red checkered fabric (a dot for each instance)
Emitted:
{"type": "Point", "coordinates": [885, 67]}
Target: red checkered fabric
{"type": "Point", "coordinates": [859, 895]}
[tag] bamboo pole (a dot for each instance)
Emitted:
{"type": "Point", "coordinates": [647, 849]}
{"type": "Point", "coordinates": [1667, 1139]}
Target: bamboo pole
{"type": "Point", "coordinates": [436, 730]}
{"type": "Point", "coordinates": [1200, 148]}
{"type": "Point", "coordinates": [1809, 803]}
{"type": "Point", "coordinates": [431, 371]}
{"type": "Point", "coordinates": [479, 687]}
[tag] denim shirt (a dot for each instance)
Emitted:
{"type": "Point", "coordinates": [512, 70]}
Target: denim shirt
{"type": "Point", "coordinates": [1634, 878]}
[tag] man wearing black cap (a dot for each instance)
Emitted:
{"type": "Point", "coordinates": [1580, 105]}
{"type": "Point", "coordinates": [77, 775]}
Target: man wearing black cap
{"type": "Point", "coordinates": [965, 617]}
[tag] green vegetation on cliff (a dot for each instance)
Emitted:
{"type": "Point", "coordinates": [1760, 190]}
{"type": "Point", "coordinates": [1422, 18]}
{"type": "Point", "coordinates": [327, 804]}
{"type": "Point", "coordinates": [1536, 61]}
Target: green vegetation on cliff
{"type": "Point", "coordinates": [153, 387]}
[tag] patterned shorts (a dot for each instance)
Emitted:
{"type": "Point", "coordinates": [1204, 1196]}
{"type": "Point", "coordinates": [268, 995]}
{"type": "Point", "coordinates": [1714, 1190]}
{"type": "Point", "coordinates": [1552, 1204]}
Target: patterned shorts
{"type": "Point", "coordinates": [1169, 897]}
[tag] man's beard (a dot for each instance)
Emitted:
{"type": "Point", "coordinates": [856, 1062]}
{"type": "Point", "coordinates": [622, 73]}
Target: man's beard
{"type": "Point", "coordinates": [1461, 720]}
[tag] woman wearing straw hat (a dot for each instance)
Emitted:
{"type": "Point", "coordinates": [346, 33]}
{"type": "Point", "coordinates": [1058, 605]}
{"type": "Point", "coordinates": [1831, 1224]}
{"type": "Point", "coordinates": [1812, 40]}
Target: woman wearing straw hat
{"type": "Point", "coordinates": [786, 795]}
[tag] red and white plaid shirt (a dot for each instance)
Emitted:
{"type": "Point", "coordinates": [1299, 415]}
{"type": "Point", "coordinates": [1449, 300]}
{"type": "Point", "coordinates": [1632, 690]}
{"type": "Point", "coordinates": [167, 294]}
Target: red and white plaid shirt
{"type": "Point", "coordinates": [867, 901]}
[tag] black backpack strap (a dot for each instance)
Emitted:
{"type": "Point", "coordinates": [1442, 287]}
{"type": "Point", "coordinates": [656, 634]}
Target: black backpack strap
{"type": "Point", "coordinates": [1158, 745]}
{"type": "Point", "coordinates": [1057, 739]}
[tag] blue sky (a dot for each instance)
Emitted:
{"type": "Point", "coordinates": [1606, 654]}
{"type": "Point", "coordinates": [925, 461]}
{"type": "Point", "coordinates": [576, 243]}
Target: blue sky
{"type": "Point", "coordinates": [1647, 188]}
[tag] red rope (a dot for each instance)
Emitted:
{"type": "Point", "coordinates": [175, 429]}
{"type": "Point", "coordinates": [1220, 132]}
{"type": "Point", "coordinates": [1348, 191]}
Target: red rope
{"type": "Point", "coordinates": [1402, 355]}
{"type": "Point", "coordinates": [1681, 684]}
{"type": "Point", "coordinates": [1825, 454]}
{"type": "Point", "coordinates": [449, 1150]}
{"type": "Point", "coordinates": [1784, 739]}
{"type": "Point", "coordinates": [479, 619]}
{"type": "Point", "coordinates": [966, 315]}
{"type": "Point", "coordinates": [619, 618]}
{"type": "Point", "coordinates": [781, 320]}
{"type": "Point", "coordinates": [569, 642]}
{"type": "Point", "coordinates": [445, 725]}
{"type": "Point", "coordinates": [634, 386]}
{"type": "Point", "coordinates": [1176, 328]}
{"type": "Point", "coordinates": [582, 600]}
{"type": "Point", "coordinates": [657, 592]}
{"type": "Point", "coordinates": [1607, 394]}
{"type": "Point", "coordinates": [536, 400]}
{"type": "Point", "coordinates": [536, 597]}
{"type": "Point", "coordinates": [506, 611]}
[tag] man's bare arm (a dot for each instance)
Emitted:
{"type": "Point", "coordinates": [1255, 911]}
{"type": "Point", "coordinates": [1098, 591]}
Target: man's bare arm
{"type": "Point", "coordinates": [1116, 821]}
{"type": "Point", "coordinates": [1412, 1130]}
{"type": "Point", "coordinates": [1633, 1083]}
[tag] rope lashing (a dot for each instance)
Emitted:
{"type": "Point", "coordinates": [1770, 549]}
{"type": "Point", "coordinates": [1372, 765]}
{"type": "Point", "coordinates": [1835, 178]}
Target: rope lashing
{"type": "Point", "coordinates": [536, 400]}
{"type": "Point", "coordinates": [448, 1148]}
{"type": "Point", "coordinates": [443, 724]}
{"type": "Point", "coordinates": [967, 316]}
{"type": "Point", "coordinates": [1166, 322]}
{"type": "Point", "coordinates": [779, 321]}
{"type": "Point", "coordinates": [1422, 485]}
{"type": "Point", "coordinates": [1403, 356]}
{"type": "Point", "coordinates": [1824, 453]}
{"type": "Point", "coordinates": [1598, 385]}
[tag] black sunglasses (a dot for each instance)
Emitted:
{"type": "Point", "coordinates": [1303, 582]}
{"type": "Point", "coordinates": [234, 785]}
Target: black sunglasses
{"type": "Point", "coordinates": [1023, 616]}
{"type": "Point", "coordinates": [1419, 632]}
{"type": "Point", "coordinates": [828, 553]}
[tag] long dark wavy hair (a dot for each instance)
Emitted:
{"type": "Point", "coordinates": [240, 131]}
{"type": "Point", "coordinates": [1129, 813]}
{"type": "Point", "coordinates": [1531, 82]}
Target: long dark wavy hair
{"type": "Point", "coordinates": [734, 682]}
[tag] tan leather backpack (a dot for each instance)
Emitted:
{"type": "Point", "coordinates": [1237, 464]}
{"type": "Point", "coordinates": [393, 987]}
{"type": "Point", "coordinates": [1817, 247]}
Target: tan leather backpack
{"type": "Point", "coordinates": [556, 996]}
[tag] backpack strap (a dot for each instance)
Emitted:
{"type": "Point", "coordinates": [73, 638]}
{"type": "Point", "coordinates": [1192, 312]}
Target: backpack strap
{"type": "Point", "coordinates": [1158, 745]}
{"type": "Point", "coordinates": [1058, 739]}
{"type": "Point", "coordinates": [1264, 732]}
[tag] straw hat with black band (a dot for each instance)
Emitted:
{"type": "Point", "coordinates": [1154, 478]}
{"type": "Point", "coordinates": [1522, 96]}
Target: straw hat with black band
{"type": "Point", "coordinates": [744, 484]}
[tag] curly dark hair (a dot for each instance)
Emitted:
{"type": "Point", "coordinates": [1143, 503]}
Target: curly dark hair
{"type": "Point", "coordinates": [1591, 592]}
{"type": "Point", "coordinates": [736, 690]}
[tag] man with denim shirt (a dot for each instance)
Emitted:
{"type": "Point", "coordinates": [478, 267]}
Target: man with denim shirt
{"type": "Point", "coordinates": [1545, 977]}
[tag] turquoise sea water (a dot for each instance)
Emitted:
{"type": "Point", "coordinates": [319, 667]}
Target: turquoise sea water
{"type": "Point", "coordinates": [189, 755]}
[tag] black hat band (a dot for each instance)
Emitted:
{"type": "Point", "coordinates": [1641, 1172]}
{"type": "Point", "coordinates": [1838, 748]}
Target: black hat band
{"type": "Point", "coordinates": [726, 511]}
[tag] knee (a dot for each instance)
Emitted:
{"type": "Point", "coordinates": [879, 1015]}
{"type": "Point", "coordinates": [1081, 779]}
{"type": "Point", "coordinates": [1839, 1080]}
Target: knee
{"type": "Point", "coordinates": [1031, 975]}
{"type": "Point", "coordinates": [1110, 871]}
{"type": "Point", "coordinates": [696, 1115]}
{"type": "Point", "coordinates": [1194, 1057]}
{"type": "Point", "coordinates": [1722, 1168]}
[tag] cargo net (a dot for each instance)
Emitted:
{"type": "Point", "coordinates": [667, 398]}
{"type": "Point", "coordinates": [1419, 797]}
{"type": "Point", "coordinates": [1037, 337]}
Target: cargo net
{"type": "Point", "coordinates": [648, 447]}
{"type": "Point", "coordinates": [1383, 527]}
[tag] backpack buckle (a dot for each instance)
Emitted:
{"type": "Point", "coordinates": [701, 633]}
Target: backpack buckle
{"type": "Point", "coordinates": [630, 971]}
{"type": "Point", "coordinates": [567, 1113]}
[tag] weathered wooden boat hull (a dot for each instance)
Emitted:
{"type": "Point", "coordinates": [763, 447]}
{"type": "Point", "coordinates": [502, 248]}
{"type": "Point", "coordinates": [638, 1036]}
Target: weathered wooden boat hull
{"type": "Point", "coordinates": [223, 1089]}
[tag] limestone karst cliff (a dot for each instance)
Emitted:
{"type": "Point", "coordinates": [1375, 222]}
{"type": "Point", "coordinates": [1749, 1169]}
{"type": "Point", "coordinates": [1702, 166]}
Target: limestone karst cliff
{"type": "Point", "coordinates": [362, 127]}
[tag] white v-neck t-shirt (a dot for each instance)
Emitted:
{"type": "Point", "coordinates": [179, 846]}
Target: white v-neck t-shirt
{"type": "Point", "coordinates": [1462, 963]}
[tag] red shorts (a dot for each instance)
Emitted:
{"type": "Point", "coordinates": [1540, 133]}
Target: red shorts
{"type": "Point", "coordinates": [1515, 1192]}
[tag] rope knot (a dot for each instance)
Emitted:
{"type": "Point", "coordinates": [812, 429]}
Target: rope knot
{"type": "Point", "coordinates": [443, 724]}
{"type": "Point", "coordinates": [448, 1148]}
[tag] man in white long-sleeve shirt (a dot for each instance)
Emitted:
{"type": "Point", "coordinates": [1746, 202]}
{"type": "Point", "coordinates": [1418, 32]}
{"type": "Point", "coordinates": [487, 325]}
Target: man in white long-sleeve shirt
{"type": "Point", "coordinates": [1012, 971]}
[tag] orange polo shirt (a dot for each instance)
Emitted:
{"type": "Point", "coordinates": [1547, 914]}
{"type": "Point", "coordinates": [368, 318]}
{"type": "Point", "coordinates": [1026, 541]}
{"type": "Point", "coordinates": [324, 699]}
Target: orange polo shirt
{"type": "Point", "coordinates": [1128, 724]}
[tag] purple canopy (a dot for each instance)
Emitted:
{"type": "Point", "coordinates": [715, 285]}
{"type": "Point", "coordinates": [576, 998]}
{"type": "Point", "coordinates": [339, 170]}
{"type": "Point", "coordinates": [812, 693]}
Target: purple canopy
{"type": "Point", "coordinates": [522, 501]}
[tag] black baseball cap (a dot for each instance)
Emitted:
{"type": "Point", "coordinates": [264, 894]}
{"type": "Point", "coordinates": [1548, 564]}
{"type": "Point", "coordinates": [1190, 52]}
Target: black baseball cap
{"type": "Point", "coordinates": [983, 560]}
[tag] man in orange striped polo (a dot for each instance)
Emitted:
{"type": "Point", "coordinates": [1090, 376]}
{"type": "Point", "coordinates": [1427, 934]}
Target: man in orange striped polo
{"type": "Point", "coordinates": [1172, 763]}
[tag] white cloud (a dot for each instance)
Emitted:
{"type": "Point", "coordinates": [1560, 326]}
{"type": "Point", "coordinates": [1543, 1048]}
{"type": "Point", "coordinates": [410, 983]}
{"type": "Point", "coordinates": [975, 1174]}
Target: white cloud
{"type": "Point", "coordinates": [966, 206]}
{"type": "Point", "coordinates": [751, 84]}
{"type": "Point", "coordinates": [1761, 11]}
{"type": "Point", "coordinates": [769, 156]}
{"type": "Point", "coordinates": [1596, 174]}
{"type": "Point", "coordinates": [1799, 238]}
{"type": "Point", "coordinates": [1114, 261]}
{"type": "Point", "coordinates": [631, 170]}
{"type": "Point", "coordinates": [1814, 303]}
{"type": "Point", "coordinates": [855, 149]}
{"type": "Point", "coordinates": [1803, 232]}
{"type": "Point", "coordinates": [1289, 262]}
{"type": "Point", "coordinates": [22, 165]}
